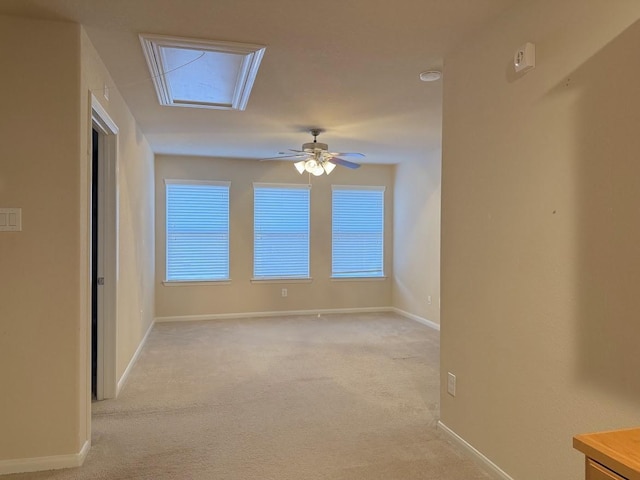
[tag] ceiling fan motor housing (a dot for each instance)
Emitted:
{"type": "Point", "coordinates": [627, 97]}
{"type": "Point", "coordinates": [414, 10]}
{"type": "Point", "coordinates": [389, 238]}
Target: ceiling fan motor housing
{"type": "Point", "coordinates": [312, 146]}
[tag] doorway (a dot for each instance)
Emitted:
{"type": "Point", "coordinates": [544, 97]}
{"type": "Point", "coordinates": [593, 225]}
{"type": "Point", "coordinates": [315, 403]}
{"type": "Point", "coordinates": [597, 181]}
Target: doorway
{"type": "Point", "coordinates": [104, 252]}
{"type": "Point", "coordinates": [95, 246]}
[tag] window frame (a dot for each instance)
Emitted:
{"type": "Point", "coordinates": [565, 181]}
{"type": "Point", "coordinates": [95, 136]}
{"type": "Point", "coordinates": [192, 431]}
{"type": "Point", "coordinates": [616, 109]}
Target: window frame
{"type": "Point", "coordinates": [361, 277]}
{"type": "Point", "coordinates": [295, 278]}
{"type": "Point", "coordinates": [208, 281]}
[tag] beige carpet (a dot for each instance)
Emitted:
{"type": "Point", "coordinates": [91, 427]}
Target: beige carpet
{"type": "Point", "coordinates": [344, 397]}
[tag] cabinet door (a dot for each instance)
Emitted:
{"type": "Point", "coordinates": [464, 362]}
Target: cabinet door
{"type": "Point", "coordinates": [595, 471]}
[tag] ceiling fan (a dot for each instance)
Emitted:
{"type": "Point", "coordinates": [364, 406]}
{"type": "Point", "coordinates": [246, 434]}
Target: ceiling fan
{"type": "Point", "coordinates": [316, 159]}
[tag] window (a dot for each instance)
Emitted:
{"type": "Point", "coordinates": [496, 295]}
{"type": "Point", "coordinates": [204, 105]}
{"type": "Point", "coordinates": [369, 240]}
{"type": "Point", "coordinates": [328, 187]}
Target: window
{"type": "Point", "coordinates": [280, 231]}
{"type": "Point", "coordinates": [357, 231]}
{"type": "Point", "coordinates": [197, 231]}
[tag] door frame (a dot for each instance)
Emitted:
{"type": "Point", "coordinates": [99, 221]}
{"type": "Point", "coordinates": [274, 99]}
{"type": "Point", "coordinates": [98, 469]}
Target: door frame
{"type": "Point", "coordinates": [106, 376]}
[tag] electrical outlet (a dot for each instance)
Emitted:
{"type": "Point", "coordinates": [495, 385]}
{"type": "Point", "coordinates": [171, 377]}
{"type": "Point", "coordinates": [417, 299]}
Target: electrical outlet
{"type": "Point", "coordinates": [451, 384]}
{"type": "Point", "coordinates": [284, 292]}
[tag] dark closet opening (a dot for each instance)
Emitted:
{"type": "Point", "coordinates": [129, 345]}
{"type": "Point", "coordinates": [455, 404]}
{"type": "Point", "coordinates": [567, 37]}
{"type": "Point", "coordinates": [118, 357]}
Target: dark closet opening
{"type": "Point", "coordinates": [94, 262]}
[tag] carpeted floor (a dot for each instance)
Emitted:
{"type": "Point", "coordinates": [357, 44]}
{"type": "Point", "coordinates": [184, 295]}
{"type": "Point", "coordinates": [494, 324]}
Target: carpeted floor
{"type": "Point", "coordinates": [340, 397]}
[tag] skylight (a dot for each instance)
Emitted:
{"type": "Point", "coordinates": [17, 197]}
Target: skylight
{"type": "Point", "coordinates": [201, 73]}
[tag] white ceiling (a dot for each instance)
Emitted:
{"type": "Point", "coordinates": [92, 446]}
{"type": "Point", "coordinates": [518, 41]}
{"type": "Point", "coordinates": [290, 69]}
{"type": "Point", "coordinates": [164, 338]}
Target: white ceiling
{"type": "Point", "coordinates": [348, 66]}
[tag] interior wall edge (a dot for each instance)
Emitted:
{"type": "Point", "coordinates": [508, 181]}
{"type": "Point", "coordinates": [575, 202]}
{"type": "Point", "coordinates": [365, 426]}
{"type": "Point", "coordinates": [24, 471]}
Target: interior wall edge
{"type": "Point", "coordinates": [416, 318]}
{"type": "Point", "coordinates": [134, 359]}
{"type": "Point", "coordinates": [491, 468]}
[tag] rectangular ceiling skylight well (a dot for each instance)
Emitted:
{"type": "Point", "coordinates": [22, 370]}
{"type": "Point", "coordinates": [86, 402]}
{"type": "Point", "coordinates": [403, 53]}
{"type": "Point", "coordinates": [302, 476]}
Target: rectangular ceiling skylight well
{"type": "Point", "coordinates": [201, 73]}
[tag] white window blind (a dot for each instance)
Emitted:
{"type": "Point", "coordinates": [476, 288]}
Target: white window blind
{"type": "Point", "coordinates": [197, 230]}
{"type": "Point", "coordinates": [357, 231]}
{"type": "Point", "coordinates": [281, 231]}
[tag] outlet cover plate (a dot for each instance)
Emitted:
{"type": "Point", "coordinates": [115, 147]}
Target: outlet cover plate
{"type": "Point", "coordinates": [10, 219]}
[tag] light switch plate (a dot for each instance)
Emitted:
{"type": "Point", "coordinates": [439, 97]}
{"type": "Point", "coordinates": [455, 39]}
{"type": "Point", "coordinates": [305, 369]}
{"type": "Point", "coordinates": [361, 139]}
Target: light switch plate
{"type": "Point", "coordinates": [10, 219]}
{"type": "Point", "coordinates": [525, 58]}
{"type": "Point", "coordinates": [451, 384]}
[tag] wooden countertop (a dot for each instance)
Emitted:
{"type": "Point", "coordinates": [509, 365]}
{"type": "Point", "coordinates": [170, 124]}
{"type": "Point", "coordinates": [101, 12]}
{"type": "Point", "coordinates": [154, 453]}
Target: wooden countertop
{"type": "Point", "coordinates": [618, 450]}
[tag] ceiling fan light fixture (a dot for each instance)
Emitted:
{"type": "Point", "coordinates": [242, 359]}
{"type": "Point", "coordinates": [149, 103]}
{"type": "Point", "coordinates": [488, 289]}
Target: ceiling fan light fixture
{"type": "Point", "coordinates": [328, 167]}
{"type": "Point", "coordinates": [314, 167]}
{"type": "Point", "coordinates": [300, 166]}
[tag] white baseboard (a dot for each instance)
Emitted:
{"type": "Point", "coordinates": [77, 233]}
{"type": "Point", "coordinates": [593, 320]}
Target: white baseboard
{"type": "Point", "coordinates": [424, 321]}
{"type": "Point", "coordinates": [36, 464]}
{"type": "Point", "coordinates": [492, 469]}
{"type": "Point", "coordinates": [134, 359]}
{"type": "Point", "coordinates": [222, 316]}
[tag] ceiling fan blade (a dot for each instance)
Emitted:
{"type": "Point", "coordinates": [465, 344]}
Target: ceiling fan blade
{"type": "Point", "coordinates": [284, 157]}
{"type": "Point", "coordinates": [348, 154]}
{"type": "Point", "coordinates": [301, 152]}
{"type": "Point", "coordinates": [343, 163]}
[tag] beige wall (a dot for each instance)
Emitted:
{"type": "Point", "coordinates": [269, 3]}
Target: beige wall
{"type": "Point", "coordinates": [416, 256]}
{"type": "Point", "coordinates": [242, 296]}
{"type": "Point", "coordinates": [44, 295]}
{"type": "Point", "coordinates": [135, 179]}
{"type": "Point", "coordinates": [540, 234]}
{"type": "Point", "coordinates": [41, 331]}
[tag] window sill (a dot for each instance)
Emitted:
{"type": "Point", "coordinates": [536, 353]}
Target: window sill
{"type": "Point", "coordinates": [281, 280]}
{"type": "Point", "coordinates": [195, 283]}
{"type": "Point", "coordinates": [358, 279]}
